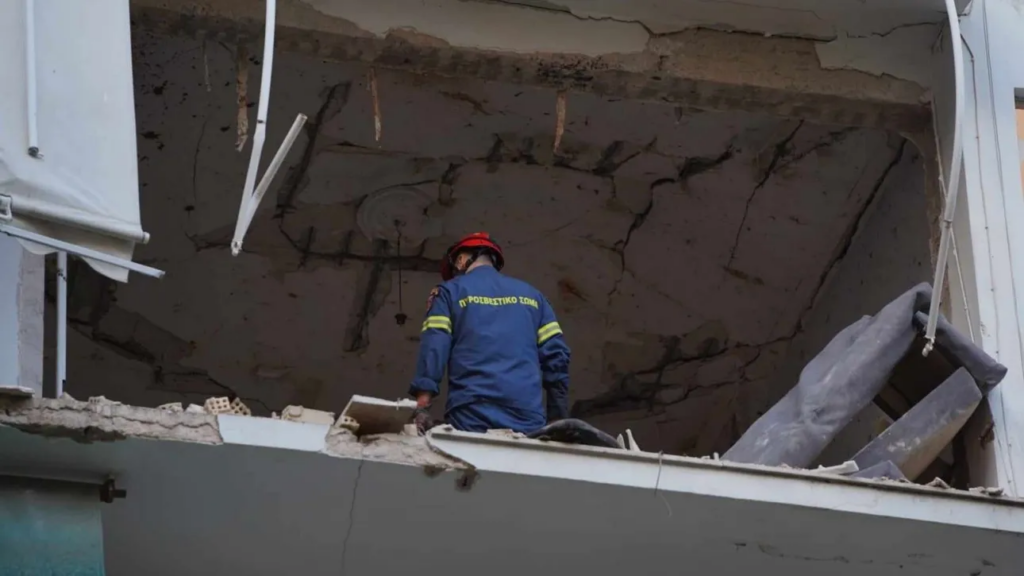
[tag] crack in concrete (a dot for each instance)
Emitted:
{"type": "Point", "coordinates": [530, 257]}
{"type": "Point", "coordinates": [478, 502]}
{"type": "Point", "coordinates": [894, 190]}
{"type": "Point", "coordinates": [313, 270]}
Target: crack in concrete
{"type": "Point", "coordinates": [357, 335]}
{"type": "Point", "coordinates": [691, 167]}
{"type": "Point", "coordinates": [780, 150]}
{"type": "Point", "coordinates": [335, 100]}
{"type": "Point", "coordinates": [556, 9]}
{"type": "Point", "coordinates": [718, 26]}
{"type": "Point", "coordinates": [638, 221]}
{"type": "Point", "coordinates": [446, 187]}
{"type": "Point", "coordinates": [607, 164]}
{"type": "Point", "coordinates": [848, 237]}
{"type": "Point", "coordinates": [698, 165]}
{"type": "Point", "coordinates": [830, 139]}
{"type": "Point", "coordinates": [164, 363]}
{"type": "Point", "coordinates": [631, 392]}
{"type": "Point", "coordinates": [351, 517]}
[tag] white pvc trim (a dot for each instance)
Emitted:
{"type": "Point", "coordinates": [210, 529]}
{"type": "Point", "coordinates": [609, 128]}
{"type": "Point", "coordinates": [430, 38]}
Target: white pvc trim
{"type": "Point", "coordinates": [259, 137]}
{"type": "Point", "coordinates": [250, 203]}
{"type": "Point", "coordinates": [30, 75]}
{"type": "Point", "coordinates": [268, 433]}
{"type": "Point", "coordinates": [717, 478]}
{"type": "Point", "coordinates": [956, 161]}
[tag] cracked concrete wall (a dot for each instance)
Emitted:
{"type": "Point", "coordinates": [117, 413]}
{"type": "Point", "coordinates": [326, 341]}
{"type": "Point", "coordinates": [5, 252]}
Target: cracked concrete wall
{"type": "Point", "coordinates": [681, 249]}
{"type": "Point", "coordinates": [570, 46]}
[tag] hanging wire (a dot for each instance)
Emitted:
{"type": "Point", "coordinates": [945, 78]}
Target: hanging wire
{"type": "Point", "coordinates": [400, 318]}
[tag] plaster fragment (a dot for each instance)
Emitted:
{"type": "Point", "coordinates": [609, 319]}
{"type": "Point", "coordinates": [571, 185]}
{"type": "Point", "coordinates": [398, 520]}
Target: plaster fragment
{"type": "Point", "coordinates": [559, 118]}
{"type": "Point", "coordinates": [242, 96]}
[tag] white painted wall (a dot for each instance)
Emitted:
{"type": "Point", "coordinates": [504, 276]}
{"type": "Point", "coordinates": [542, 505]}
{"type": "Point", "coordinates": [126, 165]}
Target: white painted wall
{"type": "Point", "coordinates": [21, 316]}
{"type": "Point", "coordinates": [993, 206]}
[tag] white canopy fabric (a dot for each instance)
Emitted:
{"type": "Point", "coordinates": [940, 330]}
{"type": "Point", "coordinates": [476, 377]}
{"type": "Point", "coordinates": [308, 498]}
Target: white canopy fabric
{"type": "Point", "coordinates": [83, 189]}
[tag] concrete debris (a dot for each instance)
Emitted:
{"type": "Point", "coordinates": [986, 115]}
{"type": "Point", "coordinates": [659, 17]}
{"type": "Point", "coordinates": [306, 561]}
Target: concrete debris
{"type": "Point", "coordinates": [17, 391]}
{"type": "Point", "coordinates": [402, 448]}
{"type": "Point", "coordinates": [172, 407]}
{"type": "Point", "coordinates": [239, 408]}
{"type": "Point", "coordinates": [622, 443]}
{"type": "Point", "coordinates": [939, 483]}
{"type": "Point", "coordinates": [848, 467]}
{"type": "Point", "coordinates": [308, 415]}
{"type": "Point", "coordinates": [66, 396]}
{"type": "Point", "coordinates": [87, 422]}
{"type": "Point", "coordinates": [988, 490]}
{"type": "Point", "coordinates": [219, 405]}
{"type": "Point", "coordinates": [100, 420]}
{"type": "Point", "coordinates": [631, 442]}
{"type": "Point", "coordinates": [102, 400]}
{"type": "Point", "coordinates": [350, 424]}
{"type": "Point", "coordinates": [881, 471]}
{"type": "Point", "coordinates": [507, 433]}
{"type": "Point", "coordinates": [410, 430]}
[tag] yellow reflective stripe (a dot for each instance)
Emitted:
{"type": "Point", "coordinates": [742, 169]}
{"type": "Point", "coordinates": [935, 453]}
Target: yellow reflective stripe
{"type": "Point", "coordinates": [547, 331]}
{"type": "Point", "coordinates": [438, 322]}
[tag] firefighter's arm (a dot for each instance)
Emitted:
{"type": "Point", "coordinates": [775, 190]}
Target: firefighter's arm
{"type": "Point", "coordinates": [554, 363]}
{"type": "Point", "coordinates": [435, 345]}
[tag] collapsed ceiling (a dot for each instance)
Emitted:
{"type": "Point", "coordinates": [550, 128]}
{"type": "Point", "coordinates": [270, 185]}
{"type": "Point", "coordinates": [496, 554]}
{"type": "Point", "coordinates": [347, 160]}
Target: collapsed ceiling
{"type": "Point", "coordinates": [681, 249]}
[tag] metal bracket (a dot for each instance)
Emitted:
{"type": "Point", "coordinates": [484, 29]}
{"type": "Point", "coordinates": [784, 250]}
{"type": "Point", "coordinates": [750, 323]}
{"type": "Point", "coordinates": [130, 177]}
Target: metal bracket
{"type": "Point", "coordinates": [6, 215]}
{"type": "Point", "coordinates": [109, 491]}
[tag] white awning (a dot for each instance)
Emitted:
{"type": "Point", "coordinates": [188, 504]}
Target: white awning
{"type": "Point", "coordinates": [66, 89]}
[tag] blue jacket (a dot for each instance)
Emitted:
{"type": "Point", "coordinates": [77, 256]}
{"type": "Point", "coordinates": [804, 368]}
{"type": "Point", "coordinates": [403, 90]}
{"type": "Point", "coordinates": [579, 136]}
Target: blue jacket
{"type": "Point", "coordinates": [503, 348]}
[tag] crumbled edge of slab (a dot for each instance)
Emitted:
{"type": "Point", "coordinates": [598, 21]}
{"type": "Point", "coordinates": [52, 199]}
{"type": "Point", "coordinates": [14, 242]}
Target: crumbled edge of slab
{"type": "Point", "coordinates": [101, 420]}
{"type": "Point", "coordinates": [392, 448]}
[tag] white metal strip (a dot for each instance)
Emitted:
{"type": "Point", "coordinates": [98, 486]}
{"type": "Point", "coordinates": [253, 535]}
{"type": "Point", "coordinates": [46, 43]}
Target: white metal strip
{"type": "Point", "coordinates": [80, 251]}
{"type": "Point", "coordinates": [718, 478]}
{"type": "Point", "coordinates": [62, 322]}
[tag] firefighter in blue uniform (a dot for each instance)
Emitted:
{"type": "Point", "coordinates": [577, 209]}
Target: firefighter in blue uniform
{"type": "Point", "coordinates": [500, 342]}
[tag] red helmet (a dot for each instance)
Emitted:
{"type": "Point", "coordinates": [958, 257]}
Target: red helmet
{"type": "Point", "coordinates": [475, 240]}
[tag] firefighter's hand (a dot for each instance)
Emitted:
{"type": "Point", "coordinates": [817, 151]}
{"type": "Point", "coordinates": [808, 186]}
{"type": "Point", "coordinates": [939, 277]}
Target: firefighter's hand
{"type": "Point", "coordinates": [421, 417]}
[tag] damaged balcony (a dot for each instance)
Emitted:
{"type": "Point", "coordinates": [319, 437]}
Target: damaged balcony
{"type": "Point", "coordinates": [698, 260]}
{"type": "Point", "coordinates": [736, 239]}
{"type": "Point", "coordinates": [242, 495]}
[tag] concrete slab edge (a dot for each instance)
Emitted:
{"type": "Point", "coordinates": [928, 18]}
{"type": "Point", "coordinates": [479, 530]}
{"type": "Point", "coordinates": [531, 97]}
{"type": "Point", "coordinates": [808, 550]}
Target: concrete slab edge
{"type": "Point", "coordinates": [100, 420]}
